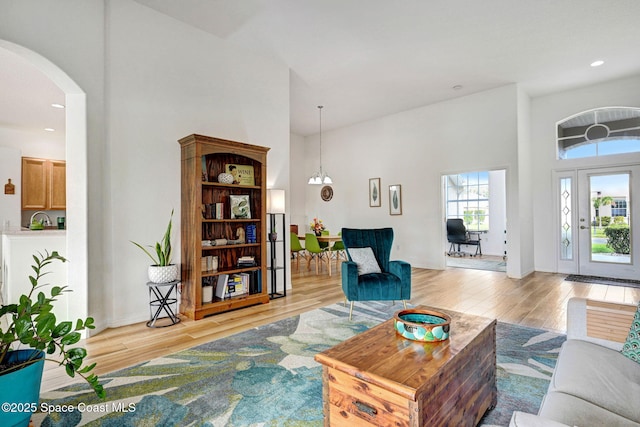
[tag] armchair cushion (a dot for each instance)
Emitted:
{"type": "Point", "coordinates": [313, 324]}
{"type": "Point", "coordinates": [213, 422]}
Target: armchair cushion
{"type": "Point", "coordinates": [365, 260]}
{"type": "Point", "coordinates": [631, 347]}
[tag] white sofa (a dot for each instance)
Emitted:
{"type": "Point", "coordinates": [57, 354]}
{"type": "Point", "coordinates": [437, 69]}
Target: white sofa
{"type": "Point", "coordinates": [593, 384]}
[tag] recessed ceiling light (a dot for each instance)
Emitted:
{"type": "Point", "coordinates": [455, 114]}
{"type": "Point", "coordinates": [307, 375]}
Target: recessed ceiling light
{"type": "Point", "coordinates": [50, 129]}
{"type": "Point", "coordinates": [597, 63]}
{"type": "Point", "coordinates": [56, 105]}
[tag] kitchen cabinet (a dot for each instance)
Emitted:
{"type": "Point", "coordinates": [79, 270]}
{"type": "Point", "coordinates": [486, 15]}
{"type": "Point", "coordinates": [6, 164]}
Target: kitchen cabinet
{"type": "Point", "coordinates": [44, 184]}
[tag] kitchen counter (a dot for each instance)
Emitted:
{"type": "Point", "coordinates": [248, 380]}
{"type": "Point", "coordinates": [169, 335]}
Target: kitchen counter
{"type": "Point", "coordinates": [25, 232]}
{"type": "Point", "coordinates": [18, 248]}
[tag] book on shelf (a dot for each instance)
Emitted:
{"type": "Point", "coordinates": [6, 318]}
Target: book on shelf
{"type": "Point", "coordinates": [221, 286]}
{"type": "Point", "coordinates": [251, 234]}
{"type": "Point", "coordinates": [219, 210]}
{"type": "Point", "coordinates": [209, 263]}
{"type": "Point", "coordinates": [237, 285]}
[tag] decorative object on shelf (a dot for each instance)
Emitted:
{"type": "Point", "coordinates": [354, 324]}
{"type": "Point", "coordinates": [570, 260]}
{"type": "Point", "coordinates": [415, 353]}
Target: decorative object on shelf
{"type": "Point", "coordinates": [219, 242]}
{"type": "Point", "coordinates": [32, 323]}
{"type": "Point", "coordinates": [161, 271]}
{"type": "Point", "coordinates": [9, 188]}
{"type": "Point", "coordinates": [326, 193]}
{"type": "Point", "coordinates": [375, 199]}
{"type": "Point", "coordinates": [240, 234]}
{"type": "Point", "coordinates": [207, 294]}
{"type": "Point", "coordinates": [395, 199]}
{"type": "Point", "coordinates": [251, 234]}
{"type": "Point", "coordinates": [320, 177]}
{"type": "Point", "coordinates": [422, 325]}
{"type": "Point", "coordinates": [317, 226]}
{"type": "Point", "coordinates": [242, 174]}
{"type": "Point", "coordinates": [225, 178]}
{"type": "Point", "coordinates": [240, 206]}
{"type": "Point", "coordinates": [205, 172]}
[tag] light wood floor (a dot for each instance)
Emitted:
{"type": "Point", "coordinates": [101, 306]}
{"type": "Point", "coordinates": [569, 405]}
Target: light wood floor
{"type": "Point", "coordinates": [538, 300]}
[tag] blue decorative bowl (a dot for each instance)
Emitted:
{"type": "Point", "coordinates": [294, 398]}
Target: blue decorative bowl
{"type": "Point", "coordinates": [422, 325]}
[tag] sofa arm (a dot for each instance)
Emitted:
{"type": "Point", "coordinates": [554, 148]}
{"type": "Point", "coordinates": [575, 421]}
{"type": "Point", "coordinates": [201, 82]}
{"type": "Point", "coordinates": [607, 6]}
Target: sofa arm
{"type": "Point", "coordinates": [522, 419]}
{"type": "Point", "coordinates": [603, 323]}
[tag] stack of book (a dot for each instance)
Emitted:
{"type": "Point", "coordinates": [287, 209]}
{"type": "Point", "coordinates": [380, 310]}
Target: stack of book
{"type": "Point", "coordinates": [246, 261]}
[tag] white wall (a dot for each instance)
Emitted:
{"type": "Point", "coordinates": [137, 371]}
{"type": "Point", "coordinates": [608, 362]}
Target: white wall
{"type": "Point", "coordinates": [149, 80]}
{"type": "Point", "coordinates": [414, 149]}
{"type": "Point", "coordinates": [546, 111]}
{"type": "Point", "coordinates": [168, 80]}
{"type": "Point", "coordinates": [298, 179]}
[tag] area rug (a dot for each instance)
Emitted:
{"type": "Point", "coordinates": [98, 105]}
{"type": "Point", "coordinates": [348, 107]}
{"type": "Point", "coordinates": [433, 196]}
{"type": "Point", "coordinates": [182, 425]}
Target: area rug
{"type": "Point", "coordinates": [603, 280]}
{"type": "Point", "coordinates": [267, 377]}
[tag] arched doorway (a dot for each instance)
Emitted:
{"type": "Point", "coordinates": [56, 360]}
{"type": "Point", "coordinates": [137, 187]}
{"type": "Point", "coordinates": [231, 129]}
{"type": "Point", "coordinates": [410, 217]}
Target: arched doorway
{"type": "Point", "coordinates": [76, 176]}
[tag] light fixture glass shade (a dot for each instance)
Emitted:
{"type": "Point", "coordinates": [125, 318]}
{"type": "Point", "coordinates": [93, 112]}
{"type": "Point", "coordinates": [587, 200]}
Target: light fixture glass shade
{"type": "Point", "coordinates": [320, 177]}
{"type": "Point", "coordinates": [275, 201]}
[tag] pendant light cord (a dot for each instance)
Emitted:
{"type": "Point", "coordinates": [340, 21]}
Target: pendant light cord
{"type": "Point", "coordinates": [320, 111]}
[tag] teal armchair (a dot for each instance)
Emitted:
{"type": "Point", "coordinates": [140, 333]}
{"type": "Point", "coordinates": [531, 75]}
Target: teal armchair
{"type": "Point", "coordinates": [362, 280]}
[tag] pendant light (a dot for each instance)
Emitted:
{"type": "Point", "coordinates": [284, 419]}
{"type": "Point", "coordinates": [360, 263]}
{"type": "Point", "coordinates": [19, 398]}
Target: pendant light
{"type": "Point", "coordinates": [320, 177]}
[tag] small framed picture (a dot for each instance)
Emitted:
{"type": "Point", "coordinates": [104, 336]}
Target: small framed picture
{"type": "Point", "coordinates": [395, 199]}
{"type": "Point", "coordinates": [240, 207]}
{"type": "Point", "coordinates": [374, 193]}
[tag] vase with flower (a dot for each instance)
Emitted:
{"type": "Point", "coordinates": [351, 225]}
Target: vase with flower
{"type": "Point", "coordinates": [317, 226]}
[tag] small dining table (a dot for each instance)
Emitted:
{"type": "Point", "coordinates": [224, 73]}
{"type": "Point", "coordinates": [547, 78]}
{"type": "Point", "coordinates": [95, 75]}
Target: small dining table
{"type": "Point", "coordinates": [327, 238]}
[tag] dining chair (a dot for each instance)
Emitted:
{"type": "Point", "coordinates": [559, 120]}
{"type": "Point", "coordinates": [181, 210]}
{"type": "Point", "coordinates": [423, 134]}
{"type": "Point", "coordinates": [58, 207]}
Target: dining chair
{"type": "Point", "coordinates": [297, 250]}
{"type": "Point", "coordinates": [315, 252]}
{"type": "Point", "coordinates": [338, 252]}
{"type": "Point", "coordinates": [324, 245]}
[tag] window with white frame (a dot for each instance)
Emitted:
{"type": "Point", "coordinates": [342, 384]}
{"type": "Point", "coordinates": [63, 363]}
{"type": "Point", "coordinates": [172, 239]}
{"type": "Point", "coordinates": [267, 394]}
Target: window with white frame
{"type": "Point", "coordinates": [599, 132]}
{"type": "Point", "coordinates": [467, 196]}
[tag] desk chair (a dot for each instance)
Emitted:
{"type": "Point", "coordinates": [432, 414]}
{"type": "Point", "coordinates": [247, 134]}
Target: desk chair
{"type": "Point", "coordinates": [457, 235]}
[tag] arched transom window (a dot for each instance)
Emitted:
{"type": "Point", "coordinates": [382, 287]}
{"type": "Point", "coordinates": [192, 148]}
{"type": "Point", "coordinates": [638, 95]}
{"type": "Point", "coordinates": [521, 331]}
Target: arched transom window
{"type": "Point", "coordinates": [599, 132]}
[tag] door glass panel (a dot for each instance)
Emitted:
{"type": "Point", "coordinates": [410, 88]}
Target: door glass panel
{"type": "Point", "coordinates": [566, 212]}
{"type": "Point", "coordinates": [610, 218]}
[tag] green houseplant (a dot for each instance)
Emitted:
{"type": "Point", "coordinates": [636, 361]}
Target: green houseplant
{"type": "Point", "coordinates": [31, 323]}
{"type": "Point", "coordinates": [161, 271]}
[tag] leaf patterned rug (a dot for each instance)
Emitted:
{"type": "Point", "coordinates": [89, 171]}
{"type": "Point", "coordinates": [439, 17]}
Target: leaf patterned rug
{"type": "Point", "coordinates": [267, 377]}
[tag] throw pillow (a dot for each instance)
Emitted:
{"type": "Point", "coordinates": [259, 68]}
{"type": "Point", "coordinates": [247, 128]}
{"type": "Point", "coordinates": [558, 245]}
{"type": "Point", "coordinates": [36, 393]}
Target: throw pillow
{"type": "Point", "coordinates": [365, 259]}
{"type": "Point", "coordinates": [631, 347]}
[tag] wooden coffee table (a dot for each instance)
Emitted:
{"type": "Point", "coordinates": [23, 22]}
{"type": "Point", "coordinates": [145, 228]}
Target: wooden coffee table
{"type": "Point", "coordinates": [378, 378]}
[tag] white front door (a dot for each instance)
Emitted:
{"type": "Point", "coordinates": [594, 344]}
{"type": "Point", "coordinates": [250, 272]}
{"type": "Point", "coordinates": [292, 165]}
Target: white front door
{"type": "Point", "coordinates": [605, 199]}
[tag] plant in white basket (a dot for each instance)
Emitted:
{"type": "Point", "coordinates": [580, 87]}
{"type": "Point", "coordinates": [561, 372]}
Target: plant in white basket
{"type": "Point", "coordinates": [161, 271]}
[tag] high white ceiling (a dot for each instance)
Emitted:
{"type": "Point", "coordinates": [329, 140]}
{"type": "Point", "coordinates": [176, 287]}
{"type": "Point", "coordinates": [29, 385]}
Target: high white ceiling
{"type": "Point", "coordinates": [364, 59]}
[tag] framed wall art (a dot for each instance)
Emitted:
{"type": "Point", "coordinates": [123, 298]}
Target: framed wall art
{"type": "Point", "coordinates": [375, 198]}
{"type": "Point", "coordinates": [395, 199]}
{"type": "Point", "coordinates": [240, 207]}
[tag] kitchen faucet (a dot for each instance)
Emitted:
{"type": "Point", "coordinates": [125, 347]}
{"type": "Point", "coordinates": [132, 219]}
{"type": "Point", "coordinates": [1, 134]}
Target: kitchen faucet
{"type": "Point", "coordinates": [47, 220]}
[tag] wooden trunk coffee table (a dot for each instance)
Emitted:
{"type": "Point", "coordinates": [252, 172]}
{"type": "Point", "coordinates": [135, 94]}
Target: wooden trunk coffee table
{"type": "Point", "coordinates": [378, 378]}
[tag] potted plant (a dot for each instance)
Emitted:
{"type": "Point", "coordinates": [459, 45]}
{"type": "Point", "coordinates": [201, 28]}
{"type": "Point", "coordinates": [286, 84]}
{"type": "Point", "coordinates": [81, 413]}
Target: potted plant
{"type": "Point", "coordinates": [31, 323]}
{"type": "Point", "coordinates": [161, 271]}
